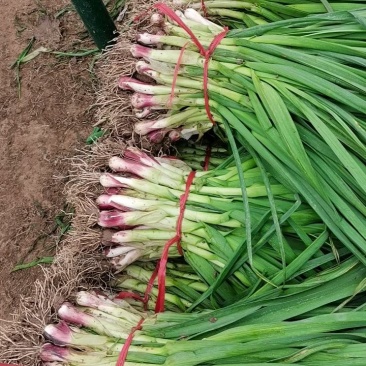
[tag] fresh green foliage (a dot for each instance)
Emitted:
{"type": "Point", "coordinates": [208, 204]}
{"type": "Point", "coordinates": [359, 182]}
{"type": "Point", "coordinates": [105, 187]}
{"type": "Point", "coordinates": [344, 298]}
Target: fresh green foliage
{"type": "Point", "coordinates": [240, 14]}
{"type": "Point", "coordinates": [34, 263]}
{"type": "Point", "coordinates": [274, 233]}
{"type": "Point", "coordinates": [63, 222]}
{"type": "Point", "coordinates": [298, 114]}
{"type": "Point", "coordinates": [17, 63]}
{"type": "Point", "coordinates": [96, 134]}
{"type": "Point", "coordinates": [76, 53]}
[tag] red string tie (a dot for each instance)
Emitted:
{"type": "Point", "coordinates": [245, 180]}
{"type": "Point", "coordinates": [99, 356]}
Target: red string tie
{"type": "Point", "coordinates": [204, 8]}
{"type": "Point", "coordinates": [207, 158]}
{"type": "Point", "coordinates": [205, 53]}
{"type": "Point", "coordinates": [160, 272]}
{"type": "Point", "coordinates": [123, 355]}
{"type": "Point", "coordinates": [146, 298]}
{"type": "Point", "coordinates": [159, 307]}
{"type": "Point", "coordinates": [176, 72]}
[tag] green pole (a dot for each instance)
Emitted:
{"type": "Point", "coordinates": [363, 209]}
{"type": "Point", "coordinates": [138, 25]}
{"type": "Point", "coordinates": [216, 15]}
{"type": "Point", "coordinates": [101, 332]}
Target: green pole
{"type": "Point", "coordinates": [97, 20]}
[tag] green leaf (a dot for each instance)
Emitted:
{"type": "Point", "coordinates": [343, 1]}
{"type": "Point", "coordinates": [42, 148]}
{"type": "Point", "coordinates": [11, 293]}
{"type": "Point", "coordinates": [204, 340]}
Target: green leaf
{"type": "Point", "coordinates": [36, 262]}
{"type": "Point", "coordinates": [96, 134]}
{"type": "Point", "coordinates": [76, 53]}
{"type": "Point", "coordinates": [34, 54]}
{"type": "Point", "coordinates": [24, 53]}
{"type": "Point", "coordinates": [339, 150]}
{"type": "Point", "coordinates": [286, 127]}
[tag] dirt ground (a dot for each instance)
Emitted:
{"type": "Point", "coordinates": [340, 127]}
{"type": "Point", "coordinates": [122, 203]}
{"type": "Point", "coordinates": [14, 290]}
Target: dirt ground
{"type": "Point", "coordinates": [39, 129]}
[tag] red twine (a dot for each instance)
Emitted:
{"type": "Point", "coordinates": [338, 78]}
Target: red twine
{"type": "Point", "coordinates": [204, 9]}
{"type": "Point", "coordinates": [159, 307]}
{"type": "Point", "coordinates": [145, 299]}
{"type": "Point", "coordinates": [123, 355]}
{"type": "Point", "coordinates": [207, 158]}
{"type": "Point", "coordinates": [160, 270]}
{"type": "Point", "coordinates": [129, 295]}
{"type": "Point", "coordinates": [171, 14]}
{"type": "Point", "coordinates": [150, 285]}
{"type": "Point", "coordinates": [211, 49]}
{"type": "Point", "coordinates": [205, 53]}
{"type": "Point", "coordinates": [176, 72]}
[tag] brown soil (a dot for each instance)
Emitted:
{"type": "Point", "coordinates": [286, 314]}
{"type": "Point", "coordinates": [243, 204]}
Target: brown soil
{"type": "Point", "coordinates": [38, 130]}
